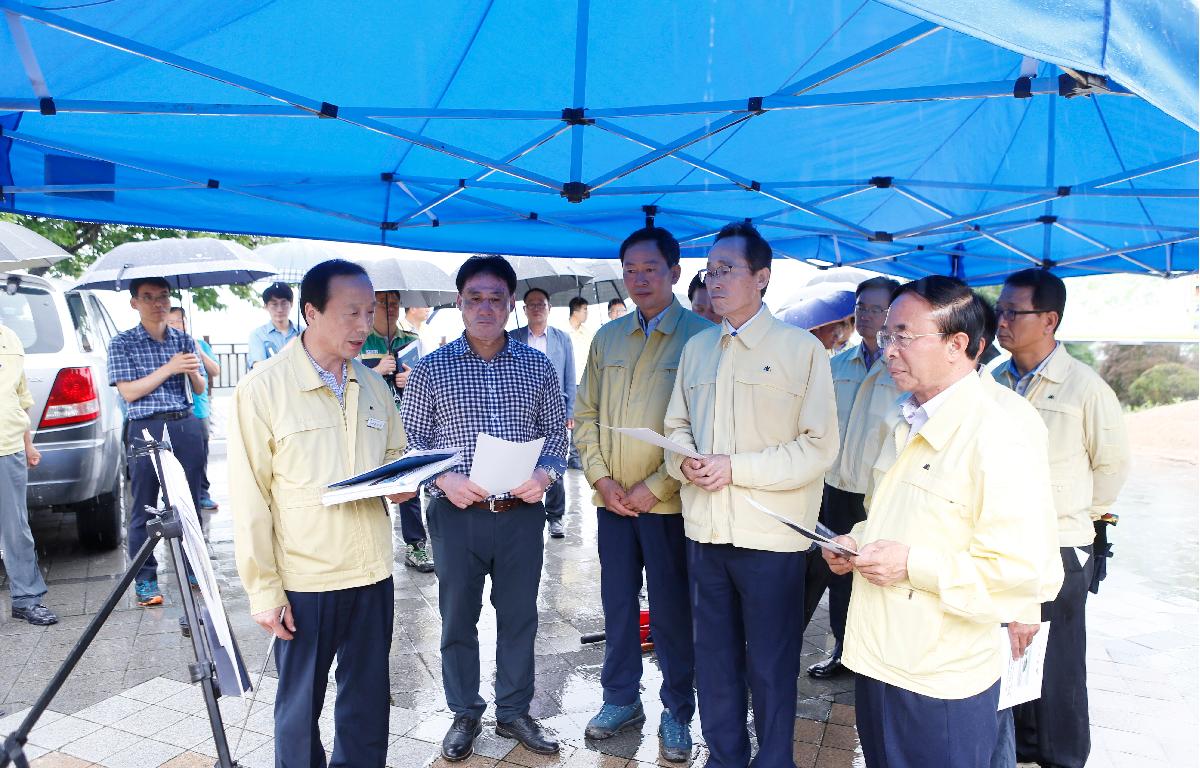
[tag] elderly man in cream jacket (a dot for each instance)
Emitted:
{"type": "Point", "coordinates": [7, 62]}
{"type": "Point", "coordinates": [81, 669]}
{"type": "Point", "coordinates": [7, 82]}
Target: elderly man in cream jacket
{"type": "Point", "coordinates": [755, 397]}
{"type": "Point", "coordinates": [955, 542]}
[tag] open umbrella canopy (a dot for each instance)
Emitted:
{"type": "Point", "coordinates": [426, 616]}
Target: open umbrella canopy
{"type": "Point", "coordinates": [419, 283]}
{"type": "Point", "coordinates": [607, 283]}
{"type": "Point", "coordinates": [184, 262]}
{"type": "Point", "coordinates": [22, 248]}
{"type": "Point", "coordinates": [551, 275]}
{"type": "Point", "coordinates": [293, 258]}
{"type": "Point", "coordinates": [907, 136]}
{"type": "Point", "coordinates": [818, 304]}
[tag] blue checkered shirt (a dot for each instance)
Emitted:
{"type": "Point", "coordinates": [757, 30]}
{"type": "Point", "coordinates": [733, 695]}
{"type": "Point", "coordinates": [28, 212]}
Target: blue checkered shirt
{"type": "Point", "coordinates": [453, 394]}
{"type": "Point", "coordinates": [134, 354]}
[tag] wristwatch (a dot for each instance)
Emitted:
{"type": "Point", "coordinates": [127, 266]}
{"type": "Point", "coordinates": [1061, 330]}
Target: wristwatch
{"type": "Point", "coordinates": [552, 473]}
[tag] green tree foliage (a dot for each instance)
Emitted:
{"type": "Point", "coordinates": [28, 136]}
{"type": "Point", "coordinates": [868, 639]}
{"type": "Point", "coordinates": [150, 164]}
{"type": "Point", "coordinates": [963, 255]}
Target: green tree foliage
{"type": "Point", "coordinates": [1165, 383]}
{"type": "Point", "coordinates": [87, 241]}
{"type": "Point", "coordinates": [1082, 352]}
{"type": "Point", "coordinates": [1124, 363]}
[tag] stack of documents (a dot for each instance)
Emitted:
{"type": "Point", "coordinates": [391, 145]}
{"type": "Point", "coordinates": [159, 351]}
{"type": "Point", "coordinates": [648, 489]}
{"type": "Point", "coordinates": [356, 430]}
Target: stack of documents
{"type": "Point", "coordinates": [404, 475]}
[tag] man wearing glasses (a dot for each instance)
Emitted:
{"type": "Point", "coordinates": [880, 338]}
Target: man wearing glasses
{"type": "Point", "coordinates": [556, 345]}
{"type": "Point", "coordinates": [156, 370]}
{"type": "Point", "coordinates": [952, 546]}
{"type": "Point", "coordinates": [1089, 460]}
{"type": "Point", "coordinates": [754, 396]}
{"type": "Point", "coordinates": [865, 395]}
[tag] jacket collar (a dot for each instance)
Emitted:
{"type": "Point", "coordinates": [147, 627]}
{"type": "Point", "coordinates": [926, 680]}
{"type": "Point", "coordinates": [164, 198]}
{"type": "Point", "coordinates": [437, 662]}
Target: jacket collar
{"type": "Point", "coordinates": [755, 330]}
{"type": "Point", "coordinates": [302, 368]}
{"type": "Point", "coordinates": [670, 319]}
{"type": "Point", "coordinates": [950, 414]}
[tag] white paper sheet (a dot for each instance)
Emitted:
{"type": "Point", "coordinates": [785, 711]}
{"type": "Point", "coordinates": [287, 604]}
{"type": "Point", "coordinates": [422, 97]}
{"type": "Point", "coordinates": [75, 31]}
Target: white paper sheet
{"type": "Point", "coordinates": [1021, 679]}
{"type": "Point", "coordinates": [501, 465]}
{"type": "Point", "coordinates": [224, 650]}
{"type": "Point", "coordinates": [652, 437]}
{"type": "Point", "coordinates": [408, 482]}
{"type": "Point", "coordinates": [821, 541]}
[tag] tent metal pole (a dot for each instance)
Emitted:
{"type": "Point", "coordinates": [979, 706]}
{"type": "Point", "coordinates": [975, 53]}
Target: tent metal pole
{"type": "Point", "coordinates": [511, 157]}
{"type": "Point", "coordinates": [967, 217]}
{"type": "Point", "coordinates": [748, 184]}
{"type": "Point", "coordinates": [74, 188]}
{"type": "Point", "coordinates": [1125, 250]}
{"type": "Point", "coordinates": [1145, 170]}
{"type": "Point", "coordinates": [33, 70]}
{"type": "Point", "coordinates": [318, 109]}
{"type": "Point", "coordinates": [922, 200]}
{"type": "Point", "coordinates": [582, 12]}
{"type": "Point", "coordinates": [1121, 225]}
{"type": "Point", "coordinates": [875, 52]}
{"type": "Point", "coordinates": [1048, 211]}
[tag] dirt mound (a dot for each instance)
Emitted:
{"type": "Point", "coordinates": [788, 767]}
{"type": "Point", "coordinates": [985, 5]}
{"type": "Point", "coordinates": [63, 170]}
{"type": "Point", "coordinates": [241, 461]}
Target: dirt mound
{"type": "Point", "coordinates": [1166, 432]}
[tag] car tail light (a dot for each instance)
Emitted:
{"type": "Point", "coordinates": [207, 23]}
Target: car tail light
{"type": "Point", "coordinates": [73, 399]}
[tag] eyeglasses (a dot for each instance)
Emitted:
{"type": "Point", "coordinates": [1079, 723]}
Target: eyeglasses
{"type": "Point", "coordinates": [869, 311]}
{"type": "Point", "coordinates": [538, 305]}
{"type": "Point", "coordinates": [886, 339]}
{"type": "Point", "coordinates": [1008, 315]}
{"type": "Point", "coordinates": [162, 298]}
{"type": "Point", "coordinates": [720, 271]}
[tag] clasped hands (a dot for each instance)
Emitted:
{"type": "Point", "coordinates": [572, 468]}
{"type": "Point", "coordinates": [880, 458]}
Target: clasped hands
{"type": "Point", "coordinates": [881, 562]}
{"type": "Point", "coordinates": [711, 473]}
{"type": "Point", "coordinates": [462, 493]}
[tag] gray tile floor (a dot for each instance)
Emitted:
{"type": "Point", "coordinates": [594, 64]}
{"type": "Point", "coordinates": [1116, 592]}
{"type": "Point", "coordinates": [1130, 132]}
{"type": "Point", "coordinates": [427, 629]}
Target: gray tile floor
{"type": "Point", "coordinates": [128, 705]}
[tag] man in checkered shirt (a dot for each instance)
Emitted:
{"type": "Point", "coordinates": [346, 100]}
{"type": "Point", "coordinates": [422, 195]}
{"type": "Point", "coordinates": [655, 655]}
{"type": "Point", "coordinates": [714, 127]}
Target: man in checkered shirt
{"type": "Point", "coordinates": [153, 366]}
{"type": "Point", "coordinates": [485, 382]}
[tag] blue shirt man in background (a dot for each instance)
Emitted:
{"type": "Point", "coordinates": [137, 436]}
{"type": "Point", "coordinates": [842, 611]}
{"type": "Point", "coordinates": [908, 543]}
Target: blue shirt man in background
{"type": "Point", "coordinates": [267, 340]}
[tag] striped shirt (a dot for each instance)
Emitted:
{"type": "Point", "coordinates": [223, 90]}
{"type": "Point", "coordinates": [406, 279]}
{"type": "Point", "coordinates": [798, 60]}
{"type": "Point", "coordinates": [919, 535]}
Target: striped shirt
{"type": "Point", "coordinates": [134, 354]}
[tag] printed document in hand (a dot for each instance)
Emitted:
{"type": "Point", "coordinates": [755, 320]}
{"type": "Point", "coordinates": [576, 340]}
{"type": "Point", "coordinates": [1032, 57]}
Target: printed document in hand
{"type": "Point", "coordinates": [1021, 679]}
{"type": "Point", "coordinates": [822, 536]}
{"type": "Point", "coordinates": [404, 475]}
{"type": "Point", "coordinates": [501, 465]}
{"type": "Point", "coordinates": [652, 437]}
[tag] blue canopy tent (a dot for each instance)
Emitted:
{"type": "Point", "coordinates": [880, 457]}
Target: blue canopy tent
{"type": "Point", "coordinates": [970, 138]}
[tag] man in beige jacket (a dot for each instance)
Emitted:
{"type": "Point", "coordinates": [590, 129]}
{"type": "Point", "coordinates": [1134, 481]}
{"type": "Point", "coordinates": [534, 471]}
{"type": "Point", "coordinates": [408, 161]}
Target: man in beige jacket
{"type": "Point", "coordinates": [627, 382]}
{"type": "Point", "coordinates": [755, 397]}
{"type": "Point", "coordinates": [319, 578]}
{"type": "Point", "coordinates": [1089, 460]}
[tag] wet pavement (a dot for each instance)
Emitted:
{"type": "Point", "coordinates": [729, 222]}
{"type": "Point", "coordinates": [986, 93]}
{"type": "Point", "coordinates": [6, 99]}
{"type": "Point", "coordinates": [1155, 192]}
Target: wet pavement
{"type": "Point", "coordinates": [128, 703]}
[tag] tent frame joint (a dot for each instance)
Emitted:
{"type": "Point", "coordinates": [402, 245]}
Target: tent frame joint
{"type": "Point", "coordinates": [880, 182]}
{"type": "Point", "coordinates": [754, 104]}
{"type": "Point", "coordinates": [328, 111]}
{"type": "Point", "coordinates": [1047, 219]}
{"type": "Point", "coordinates": [880, 237]}
{"type": "Point", "coordinates": [576, 191]}
{"type": "Point", "coordinates": [1023, 88]}
{"type": "Point", "coordinates": [1074, 83]}
{"type": "Point", "coordinates": [576, 116]}
{"type": "Point", "coordinates": [46, 106]}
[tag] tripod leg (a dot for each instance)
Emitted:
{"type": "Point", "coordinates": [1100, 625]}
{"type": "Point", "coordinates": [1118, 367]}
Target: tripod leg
{"type": "Point", "coordinates": [21, 735]}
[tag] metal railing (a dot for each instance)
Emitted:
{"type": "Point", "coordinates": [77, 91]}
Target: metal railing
{"type": "Point", "coordinates": [232, 358]}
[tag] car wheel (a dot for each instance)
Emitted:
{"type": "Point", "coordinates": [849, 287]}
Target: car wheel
{"type": "Point", "coordinates": [100, 521]}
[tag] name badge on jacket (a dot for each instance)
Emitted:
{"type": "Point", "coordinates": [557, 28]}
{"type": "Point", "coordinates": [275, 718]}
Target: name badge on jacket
{"type": "Point", "coordinates": [375, 423]}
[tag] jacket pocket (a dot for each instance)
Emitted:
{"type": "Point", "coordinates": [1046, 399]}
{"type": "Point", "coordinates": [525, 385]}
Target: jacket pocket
{"type": "Point", "coordinates": [914, 625]}
{"type": "Point", "coordinates": [317, 539]}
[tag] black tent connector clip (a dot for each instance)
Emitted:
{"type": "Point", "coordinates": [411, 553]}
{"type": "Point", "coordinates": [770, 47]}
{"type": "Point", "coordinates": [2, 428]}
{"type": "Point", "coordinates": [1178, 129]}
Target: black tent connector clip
{"type": "Point", "coordinates": [462, 183]}
{"type": "Point", "coordinates": [651, 211]}
{"type": "Point", "coordinates": [880, 182]}
{"type": "Point", "coordinates": [1023, 88]}
{"type": "Point", "coordinates": [533, 216]}
{"type": "Point", "coordinates": [880, 237]}
{"type": "Point", "coordinates": [328, 110]}
{"type": "Point", "coordinates": [46, 106]}
{"type": "Point", "coordinates": [213, 184]}
{"type": "Point", "coordinates": [1064, 191]}
{"type": "Point", "coordinates": [435, 222]}
{"type": "Point", "coordinates": [755, 186]}
{"type": "Point", "coordinates": [754, 104]}
{"type": "Point", "coordinates": [1074, 83]}
{"type": "Point", "coordinates": [1047, 219]}
{"type": "Point", "coordinates": [387, 176]}
{"type": "Point", "coordinates": [1049, 263]}
{"type": "Point", "coordinates": [389, 226]}
{"type": "Point", "coordinates": [575, 116]}
{"type": "Point", "coordinates": [576, 191]}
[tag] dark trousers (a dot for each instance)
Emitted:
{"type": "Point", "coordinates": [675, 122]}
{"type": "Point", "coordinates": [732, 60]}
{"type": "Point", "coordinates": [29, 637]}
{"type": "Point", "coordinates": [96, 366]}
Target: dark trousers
{"type": "Point", "coordinates": [472, 544]}
{"type": "Point", "coordinates": [206, 425]}
{"type": "Point", "coordinates": [556, 500]}
{"type": "Point", "coordinates": [1054, 730]}
{"type": "Point", "coordinates": [901, 729]}
{"type": "Point", "coordinates": [355, 626]}
{"type": "Point", "coordinates": [747, 629]}
{"type": "Point", "coordinates": [841, 511]}
{"type": "Point", "coordinates": [187, 443]}
{"type": "Point", "coordinates": [412, 530]}
{"type": "Point", "coordinates": [627, 545]}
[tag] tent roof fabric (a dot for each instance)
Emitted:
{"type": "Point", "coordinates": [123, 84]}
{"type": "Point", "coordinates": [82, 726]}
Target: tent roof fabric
{"type": "Point", "coordinates": [856, 134]}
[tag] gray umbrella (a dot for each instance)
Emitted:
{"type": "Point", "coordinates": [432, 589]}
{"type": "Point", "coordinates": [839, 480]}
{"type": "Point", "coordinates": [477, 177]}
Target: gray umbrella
{"type": "Point", "coordinates": [293, 258]}
{"type": "Point", "coordinates": [185, 262]}
{"type": "Point", "coordinates": [607, 283]}
{"type": "Point", "coordinates": [551, 275]}
{"type": "Point", "coordinates": [419, 283]}
{"type": "Point", "coordinates": [22, 248]}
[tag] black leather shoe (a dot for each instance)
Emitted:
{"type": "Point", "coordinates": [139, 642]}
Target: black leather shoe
{"type": "Point", "coordinates": [831, 667]}
{"type": "Point", "coordinates": [459, 743]}
{"type": "Point", "coordinates": [527, 731]}
{"type": "Point", "coordinates": [38, 615]}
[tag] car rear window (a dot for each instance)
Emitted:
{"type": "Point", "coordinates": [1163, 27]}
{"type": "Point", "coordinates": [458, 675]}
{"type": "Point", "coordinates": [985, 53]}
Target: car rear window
{"type": "Point", "coordinates": [31, 314]}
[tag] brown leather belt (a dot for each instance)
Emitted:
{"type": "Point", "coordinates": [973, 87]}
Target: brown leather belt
{"type": "Point", "coordinates": [498, 505]}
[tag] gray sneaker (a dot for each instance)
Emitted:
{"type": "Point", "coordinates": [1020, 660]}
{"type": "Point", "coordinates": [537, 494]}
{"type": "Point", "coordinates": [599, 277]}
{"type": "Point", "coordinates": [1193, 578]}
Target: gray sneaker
{"type": "Point", "coordinates": [417, 556]}
{"type": "Point", "coordinates": [556, 529]}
